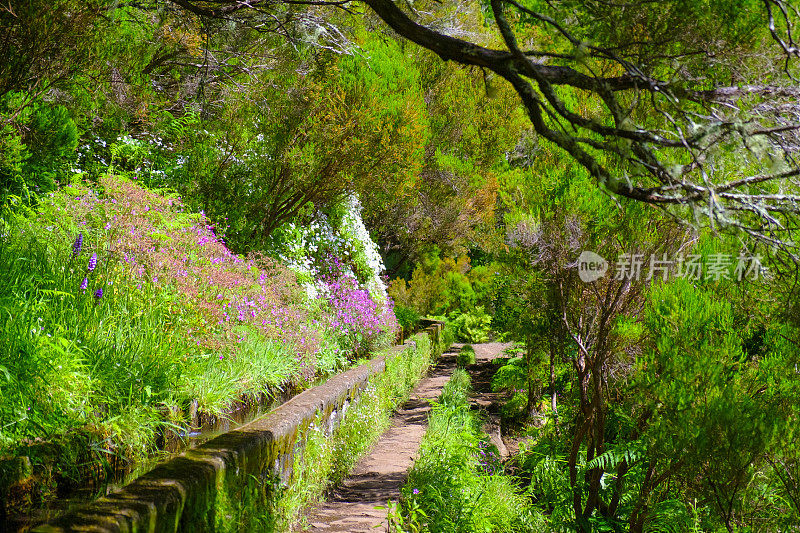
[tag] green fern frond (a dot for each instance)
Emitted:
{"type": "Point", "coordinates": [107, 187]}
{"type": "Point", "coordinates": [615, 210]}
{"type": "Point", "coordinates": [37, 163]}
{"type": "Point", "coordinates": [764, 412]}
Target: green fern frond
{"type": "Point", "coordinates": [629, 452]}
{"type": "Point", "coordinates": [669, 516]}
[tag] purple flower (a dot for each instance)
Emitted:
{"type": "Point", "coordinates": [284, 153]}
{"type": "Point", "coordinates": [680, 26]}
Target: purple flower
{"type": "Point", "coordinates": [84, 284]}
{"type": "Point", "coordinates": [92, 262]}
{"type": "Point", "coordinates": [77, 245]}
{"type": "Point", "coordinates": [98, 294]}
{"type": "Point", "coordinates": [415, 491]}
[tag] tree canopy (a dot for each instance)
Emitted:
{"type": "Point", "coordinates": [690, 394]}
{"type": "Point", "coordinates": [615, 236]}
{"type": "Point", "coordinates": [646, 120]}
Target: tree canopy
{"type": "Point", "coordinates": [688, 105]}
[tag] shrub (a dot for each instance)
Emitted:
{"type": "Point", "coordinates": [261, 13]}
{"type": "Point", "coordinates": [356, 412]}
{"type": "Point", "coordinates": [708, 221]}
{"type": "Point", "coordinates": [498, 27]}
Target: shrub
{"type": "Point", "coordinates": [512, 378]}
{"type": "Point", "coordinates": [362, 323]}
{"type": "Point", "coordinates": [448, 335]}
{"type": "Point", "coordinates": [337, 232]}
{"type": "Point", "coordinates": [36, 142]}
{"type": "Point", "coordinates": [466, 356]}
{"type": "Point", "coordinates": [442, 286]}
{"type": "Point", "coordinates": [472, 327]}
{"type": "Point", "coordinates": [407, 318]}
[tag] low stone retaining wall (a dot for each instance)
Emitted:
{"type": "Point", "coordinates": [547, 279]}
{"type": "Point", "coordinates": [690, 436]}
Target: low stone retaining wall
{"type": "Point", "coordinates": [188, 492]}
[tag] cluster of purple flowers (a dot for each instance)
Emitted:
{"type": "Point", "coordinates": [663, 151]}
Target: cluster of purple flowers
{"type": "Point", "coordinates": [224, 291]}
{"type": "Point", "coordinates": [77, 247]}
{"type": "Point", "coordinates": [489, 462]}
{"type": "Point", "coordinates": [356, 316]}
{"type": "Point", "coordinates": [227, 290]}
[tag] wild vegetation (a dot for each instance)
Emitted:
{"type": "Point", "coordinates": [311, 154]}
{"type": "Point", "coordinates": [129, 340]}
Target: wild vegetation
{"type": "Point", "coordinates": [124, 314]}
{"type": "Point", "coordinates": [458, 483]}
{"type": "Point", "coordinates": [204, 202]}
{"type": "Point", "coordinates": [327, 459]}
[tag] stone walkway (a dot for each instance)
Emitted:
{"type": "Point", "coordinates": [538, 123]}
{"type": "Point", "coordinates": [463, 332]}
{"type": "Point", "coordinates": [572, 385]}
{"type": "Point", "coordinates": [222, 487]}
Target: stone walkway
{"type": "Point", "coordinates": [377, 477]}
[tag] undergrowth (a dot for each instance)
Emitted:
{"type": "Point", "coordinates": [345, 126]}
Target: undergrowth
{"type": "Point", "coordinates": [466, 356]}
{"type": "Point", "coordinates": [458, 484]}
{"type": "Point", "coordinates": [327, 459]}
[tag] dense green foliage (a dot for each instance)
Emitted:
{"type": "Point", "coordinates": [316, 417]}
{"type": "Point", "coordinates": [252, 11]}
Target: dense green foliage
{"type": "Point", "coordinates": [466, 356]}
{"type": "Point", "coordinates": [124, 316]}
{"type": "Point", "coordinates": [452, 289]}
{"type": "Point", "coordinates": [667, 399]}
{"type": "Point", "coordinates": [197, 210]}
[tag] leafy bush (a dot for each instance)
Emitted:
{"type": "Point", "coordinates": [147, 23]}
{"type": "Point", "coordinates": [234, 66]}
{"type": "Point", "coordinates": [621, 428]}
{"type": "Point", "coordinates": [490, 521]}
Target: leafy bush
{"type": "Point", "coordinates": [544, 467]}
{"type": "Point", "coordinates": [456, 391]}
{"type": "Point", "coordinates": [36, 142]}
{"type": "Point", "coordinates": [472, 327]}
{"type": "Point", "coordinates": [337, 232]}
{"type": "Point", "coordinates": [445, 286]}
{"type": "Point", "coordinates": [362, 323]}
{"type": "Point", "coordinates": [703, 409]}
{"type": "Point", "coordinates": [406, 317]}
{"type": "Point", "coordinates": [448, 334]}
{"type": "Point", "coordinates": [466, 356]}
{"type": "Point", "coordinates": [450, 288]}
{"type": "Point", "coordinates": [512, 378]}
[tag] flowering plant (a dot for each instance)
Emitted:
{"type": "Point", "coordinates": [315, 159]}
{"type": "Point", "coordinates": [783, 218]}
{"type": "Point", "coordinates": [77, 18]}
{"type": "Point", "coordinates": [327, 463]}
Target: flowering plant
{"type": "Point", "coordinates": [360, 320]}
{"type": "Point", "coordinates": [151, 239]}
{"type": "Point", "coordinates": [340, 233]}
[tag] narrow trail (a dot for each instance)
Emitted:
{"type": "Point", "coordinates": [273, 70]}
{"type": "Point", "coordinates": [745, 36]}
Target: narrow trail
{"type": "Point", "coordinates": [377, 477]}
{"type": "Point", "coordinates": [482, 398]}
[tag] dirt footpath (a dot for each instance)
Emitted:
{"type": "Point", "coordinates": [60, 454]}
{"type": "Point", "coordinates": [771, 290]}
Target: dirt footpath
{"type": "Point", "coordinates": [377, 477]}
{"type": "Point", "coordinates": [482, 398]}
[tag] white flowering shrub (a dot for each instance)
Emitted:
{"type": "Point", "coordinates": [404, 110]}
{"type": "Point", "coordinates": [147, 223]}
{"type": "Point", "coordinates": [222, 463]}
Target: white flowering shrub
{"type": "Point", "coordinates": [364, 250]}
{"type": "Point", "coordinates": [338, 264]}
{"type": "Point", "coordinates": [300, 248]}
{"type": "Point", "coordinates": [341, 233]}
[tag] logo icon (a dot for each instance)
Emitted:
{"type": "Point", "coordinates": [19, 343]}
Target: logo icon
{"type": "Point", "coordinates": [591, 266]}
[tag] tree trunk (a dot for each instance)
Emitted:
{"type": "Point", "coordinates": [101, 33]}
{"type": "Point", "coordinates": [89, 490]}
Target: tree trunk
{"type": "Point", "coordinates": [553, 396]}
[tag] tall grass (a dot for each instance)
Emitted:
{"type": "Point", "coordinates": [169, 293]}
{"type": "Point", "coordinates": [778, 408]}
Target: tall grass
{"type": "Point", "coordinates": [109, 365]}
{"type": "Point", "coordinates": [457, 484]}
{"type": "Point", "coordinates": [67, 355]}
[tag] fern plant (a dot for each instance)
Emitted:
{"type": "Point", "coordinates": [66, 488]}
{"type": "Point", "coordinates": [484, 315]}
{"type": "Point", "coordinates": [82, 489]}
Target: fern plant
{"type": "Point", "coordinates": [672, 516]}
{"type": "Point", "coordinates": [630, 452]}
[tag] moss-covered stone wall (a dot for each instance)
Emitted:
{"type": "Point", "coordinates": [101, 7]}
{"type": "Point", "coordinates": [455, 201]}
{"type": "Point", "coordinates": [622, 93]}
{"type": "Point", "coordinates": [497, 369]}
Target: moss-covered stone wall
{"type": "Point", "coordinates": [214, 487]}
